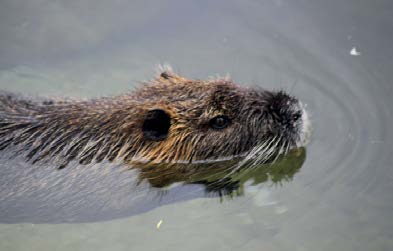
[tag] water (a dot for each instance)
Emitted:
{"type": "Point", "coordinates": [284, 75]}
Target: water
{"type": "Point", "coordinates": [339, 200]}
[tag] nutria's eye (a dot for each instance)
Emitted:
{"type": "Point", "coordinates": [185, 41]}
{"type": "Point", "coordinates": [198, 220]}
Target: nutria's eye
{"type": "Point", "coordinates": [156, 125]}
{"type": "Point", "coordinates": [219, 122]}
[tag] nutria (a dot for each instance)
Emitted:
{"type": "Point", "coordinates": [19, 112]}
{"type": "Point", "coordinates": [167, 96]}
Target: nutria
{"type": "Point", "coordinates": [170, 130]}
{"type": "Point", "coordinates": [170, 119]}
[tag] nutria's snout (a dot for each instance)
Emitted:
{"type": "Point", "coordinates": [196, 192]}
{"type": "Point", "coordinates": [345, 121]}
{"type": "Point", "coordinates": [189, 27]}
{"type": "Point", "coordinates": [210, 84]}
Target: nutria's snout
{"type": "Point", "coordinates": [289, 118]}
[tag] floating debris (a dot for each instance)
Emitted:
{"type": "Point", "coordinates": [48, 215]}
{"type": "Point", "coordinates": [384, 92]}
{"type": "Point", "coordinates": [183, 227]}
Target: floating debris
{"type": "Point", "coordinates": [159, 224]}
{"type": "Point", "coordinates": [355, 52]}
{"type": "Point", "coordinates": [281, 210]}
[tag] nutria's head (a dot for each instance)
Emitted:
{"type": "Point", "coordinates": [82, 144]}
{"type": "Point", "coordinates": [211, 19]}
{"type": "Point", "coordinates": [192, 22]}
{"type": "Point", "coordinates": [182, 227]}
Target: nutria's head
{"type": "Point", "coordinates": [193, 120]}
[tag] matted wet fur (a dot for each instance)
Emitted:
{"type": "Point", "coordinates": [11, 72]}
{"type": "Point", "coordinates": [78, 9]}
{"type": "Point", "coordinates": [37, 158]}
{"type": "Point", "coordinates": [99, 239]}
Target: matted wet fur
{"type": "Point", "coordinates": [170, 119]}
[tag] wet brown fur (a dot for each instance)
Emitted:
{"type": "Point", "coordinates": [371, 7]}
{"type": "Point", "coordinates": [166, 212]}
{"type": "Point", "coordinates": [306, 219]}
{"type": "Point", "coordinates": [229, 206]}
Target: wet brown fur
{"type": "Point", "coordinates": [110, 128]}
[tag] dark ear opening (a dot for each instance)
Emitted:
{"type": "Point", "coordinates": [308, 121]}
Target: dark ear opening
{"type": "Point", "coordinates": [156, 125]}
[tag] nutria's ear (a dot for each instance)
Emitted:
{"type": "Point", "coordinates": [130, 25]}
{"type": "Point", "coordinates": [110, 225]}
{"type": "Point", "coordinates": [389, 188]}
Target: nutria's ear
{"type": "Point", "coordinates": [167, 75]}
{"type": "Point", "coordinates": [156, 125]}
{"type": "Point", "coordinates": [170, 76]}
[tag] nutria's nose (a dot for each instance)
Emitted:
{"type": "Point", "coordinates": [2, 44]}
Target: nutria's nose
{"type": "Point", "coordinates": [296, 116]}
{"type": "Point", "coordinates": [284, 110]}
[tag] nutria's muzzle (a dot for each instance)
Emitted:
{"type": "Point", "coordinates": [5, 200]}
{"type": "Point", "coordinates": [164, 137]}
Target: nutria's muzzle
{"type": "Point", "coordinates": [290, 118]}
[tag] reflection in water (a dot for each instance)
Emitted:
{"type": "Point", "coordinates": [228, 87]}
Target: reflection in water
{"type": "Point", "coordinates": [42, 194]}
{"type": "Point", "coordinates": [220, 177]}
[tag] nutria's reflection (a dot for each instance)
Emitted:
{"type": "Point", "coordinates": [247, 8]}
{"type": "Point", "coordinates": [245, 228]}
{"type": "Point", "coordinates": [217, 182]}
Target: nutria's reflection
{"type": "Point", "coordinates": [219, 177]}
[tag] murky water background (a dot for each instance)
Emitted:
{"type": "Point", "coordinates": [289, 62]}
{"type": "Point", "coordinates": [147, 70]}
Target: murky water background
{"type": "Point", "coordinates": [342, 197]}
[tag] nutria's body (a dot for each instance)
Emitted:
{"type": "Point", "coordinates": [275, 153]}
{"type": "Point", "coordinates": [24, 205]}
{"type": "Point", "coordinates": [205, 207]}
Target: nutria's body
{"type": "Point", "coordinates": [171, 119]}
{"type": "Point", "coordinates": [170, 130]}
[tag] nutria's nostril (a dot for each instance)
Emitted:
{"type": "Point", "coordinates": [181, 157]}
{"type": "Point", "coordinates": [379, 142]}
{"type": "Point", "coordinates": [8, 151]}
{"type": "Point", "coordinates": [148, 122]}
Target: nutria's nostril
{"type": "Point", "coordinates": [296, 116]}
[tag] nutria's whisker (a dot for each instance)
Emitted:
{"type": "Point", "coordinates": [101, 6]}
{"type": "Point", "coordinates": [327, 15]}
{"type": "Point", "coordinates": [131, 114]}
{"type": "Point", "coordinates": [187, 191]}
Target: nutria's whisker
{"type": "Point", "coordinates": [250, 157]}
{"type": "Point", "coordinates": [263, 154]}
{"type": "Point", "coordinates": [272, 150]}
{"type": "Point", "coordinates": [278, 154]}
